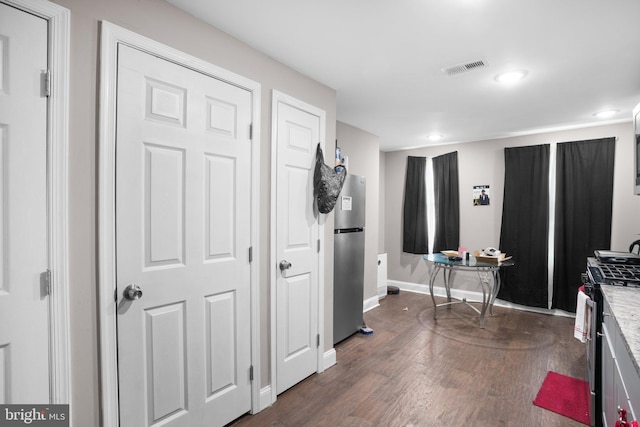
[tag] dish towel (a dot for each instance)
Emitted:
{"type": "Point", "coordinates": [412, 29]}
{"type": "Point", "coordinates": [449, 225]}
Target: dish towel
{"type": "Point", "coordinates": [583, 318]}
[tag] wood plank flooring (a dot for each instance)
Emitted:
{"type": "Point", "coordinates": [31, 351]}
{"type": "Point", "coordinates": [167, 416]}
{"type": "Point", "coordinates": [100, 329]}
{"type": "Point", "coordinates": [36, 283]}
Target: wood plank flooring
{"type": "Point", "coordinates": [417, 371]}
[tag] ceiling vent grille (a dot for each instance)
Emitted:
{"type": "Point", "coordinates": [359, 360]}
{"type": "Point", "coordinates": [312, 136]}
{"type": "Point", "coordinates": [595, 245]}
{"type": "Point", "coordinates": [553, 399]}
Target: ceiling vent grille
{"type": "Point", "coordinates": [463, 68]}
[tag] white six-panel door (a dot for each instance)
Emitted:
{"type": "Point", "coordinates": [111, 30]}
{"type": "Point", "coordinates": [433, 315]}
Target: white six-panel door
{"type": "Point", "coordinates": [24, 315]}
{"type": "Point", "coordinates": [183, 210]}
{"type": "Point", "coordinates": [298, 132]}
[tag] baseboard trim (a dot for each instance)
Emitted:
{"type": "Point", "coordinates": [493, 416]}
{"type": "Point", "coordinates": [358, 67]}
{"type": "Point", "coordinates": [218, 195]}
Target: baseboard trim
{"type": "Point", "coordinates": [264, 400]}
{"type": "Point", "coordinates": [473, 295]}
{"type": "Point", "coordinates": [329, 358]}
{"type": "Point", "coordinates": [370, 303]}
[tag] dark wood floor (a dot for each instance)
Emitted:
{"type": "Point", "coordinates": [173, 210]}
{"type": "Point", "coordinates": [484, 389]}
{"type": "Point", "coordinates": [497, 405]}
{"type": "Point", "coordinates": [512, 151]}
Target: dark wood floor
{"type": "Point", "coordinates": [417, 371]}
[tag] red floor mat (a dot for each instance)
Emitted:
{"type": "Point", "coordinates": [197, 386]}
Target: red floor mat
{"type": "Point", "coordinates": [565, 396]}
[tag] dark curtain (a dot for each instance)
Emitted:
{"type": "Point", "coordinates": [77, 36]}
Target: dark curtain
{"type": "Point", "coordinates": [447, 202]}
{"type": "Point", "coordinates": [584, 198]}
{"type": "Point", "coordinates": [415, 239]}
{"type": "Point", "coordinates": [525, 225]}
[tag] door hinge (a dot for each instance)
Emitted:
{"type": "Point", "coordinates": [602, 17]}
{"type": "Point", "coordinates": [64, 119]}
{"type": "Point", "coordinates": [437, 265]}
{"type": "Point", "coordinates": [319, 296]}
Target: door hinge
{"type": "Point", "coordinates": [318, 340]}
{"type": "Point", "coordinates": [251, 131]}
{"type": "Point", "coordinates": [46, 83]}
{"type": "Point", "coordinates": [46, 282]}
{"type": "Point", "coordinates": [251, 373]}
{"type": "Point", "coordinates": [250, 253]}
{"type": "Point", "coordinates": [318, 245]}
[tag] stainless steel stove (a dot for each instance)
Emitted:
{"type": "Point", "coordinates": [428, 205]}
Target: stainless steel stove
{"type": "Point", "coordinates": [606, 271]}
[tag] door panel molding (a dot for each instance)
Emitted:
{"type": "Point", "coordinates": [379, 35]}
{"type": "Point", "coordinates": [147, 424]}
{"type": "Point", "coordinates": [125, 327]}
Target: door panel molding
{"type": "Point", "coordinates": [278, 97]}
{"type": "Point", "coordinates": [111, 36]}
{"type": "Point", "coordinates": [58, 19]}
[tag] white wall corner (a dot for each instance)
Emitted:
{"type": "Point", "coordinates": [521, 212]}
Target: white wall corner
{"type": "Point", "coordinates": [438, 291]}
{"type": "Point", "coordinates": [414, 287]}
{"type": "Point", "coordinates": [370, 303]}
{"type": "Point", "coordinates": [382, 276]}
{"type": "Point", "coordinates": [329, 358]}
{"type": "Point", "coordinates": [265, 399]}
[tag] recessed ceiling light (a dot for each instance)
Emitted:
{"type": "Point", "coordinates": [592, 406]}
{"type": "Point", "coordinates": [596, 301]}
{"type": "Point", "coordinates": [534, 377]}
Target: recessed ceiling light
{"type": "Point", "coordinates": [435, 137]}
{"type": "Point", "coordinates": [606, 114]}
{"type": "Point", "coordinates": [511, 76]}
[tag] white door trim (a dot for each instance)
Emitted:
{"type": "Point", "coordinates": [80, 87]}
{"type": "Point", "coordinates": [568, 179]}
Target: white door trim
{"type": "Point", "coordinates": [273, 262]}
{"type": "Point", "coordinates": [57, 189]}
{"type": "Point", "coordinates": [111, 36]}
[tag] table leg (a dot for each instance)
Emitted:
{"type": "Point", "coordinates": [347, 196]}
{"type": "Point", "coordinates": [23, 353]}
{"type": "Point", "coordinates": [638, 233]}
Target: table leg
{"type": "Point", "coordinates": [485, 298]}
{"type": "Point", "coordinates": [432, 279]}
{"type": "Point", "coordinates": [447, 283]}
{"type": "Point", "coordinates": [496, 288]}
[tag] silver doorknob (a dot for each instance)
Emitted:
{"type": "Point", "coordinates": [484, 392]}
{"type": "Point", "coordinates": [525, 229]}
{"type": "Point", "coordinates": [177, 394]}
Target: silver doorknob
{"type": "Point", "coordinates": [284, 265]}
{"type": "Point", "coordinates": [132, 292]}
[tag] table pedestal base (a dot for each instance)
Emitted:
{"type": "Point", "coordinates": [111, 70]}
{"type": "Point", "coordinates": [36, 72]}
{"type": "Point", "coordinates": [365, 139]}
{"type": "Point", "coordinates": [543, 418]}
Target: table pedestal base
{"type": "Point", "coordinates": [490, 289]}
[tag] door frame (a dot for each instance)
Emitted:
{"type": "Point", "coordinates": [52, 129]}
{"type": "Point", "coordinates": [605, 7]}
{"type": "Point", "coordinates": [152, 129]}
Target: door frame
{"type": "Point", "coordinates": [111, 36]}
{"type": "Point", "coordinates": [273, 262]}
{"type": "Point", "coordinates": [58, 37]}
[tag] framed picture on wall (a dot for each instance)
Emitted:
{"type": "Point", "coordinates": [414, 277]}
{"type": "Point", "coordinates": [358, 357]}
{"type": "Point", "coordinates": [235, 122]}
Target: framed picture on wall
{"type": "Point", "coordinates": [481, 195]}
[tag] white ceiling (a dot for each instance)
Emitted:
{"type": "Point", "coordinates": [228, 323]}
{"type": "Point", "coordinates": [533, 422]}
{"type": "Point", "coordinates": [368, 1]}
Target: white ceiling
{"type": "Point", "coordinates": [385, 59]}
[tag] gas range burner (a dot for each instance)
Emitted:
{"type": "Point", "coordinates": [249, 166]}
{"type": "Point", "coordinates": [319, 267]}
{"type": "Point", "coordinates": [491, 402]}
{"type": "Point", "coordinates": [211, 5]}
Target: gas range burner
{"type": "Point", "coordinates": [614, 274]}
{"type": "Point", "coordinates": [621, 272]}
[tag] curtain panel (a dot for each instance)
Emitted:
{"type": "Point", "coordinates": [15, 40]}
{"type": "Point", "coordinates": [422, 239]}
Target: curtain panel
{"type": "Point", "coordinates": [584, 200]}
{"type": "Point", "coordinates": [525, 223]}
{"type": "Point", "coordinates": [415, 237]}
{"type": "Point", "coordinates": [447, 202]}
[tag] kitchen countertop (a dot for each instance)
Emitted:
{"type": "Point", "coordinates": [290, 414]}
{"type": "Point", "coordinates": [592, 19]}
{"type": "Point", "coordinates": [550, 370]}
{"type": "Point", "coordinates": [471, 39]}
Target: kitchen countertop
{"type": "Point", "coordinates": [624, 303]}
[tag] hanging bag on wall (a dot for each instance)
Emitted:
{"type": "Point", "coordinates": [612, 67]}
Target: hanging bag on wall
{"type": "Point", "coordinates": [327, 183]}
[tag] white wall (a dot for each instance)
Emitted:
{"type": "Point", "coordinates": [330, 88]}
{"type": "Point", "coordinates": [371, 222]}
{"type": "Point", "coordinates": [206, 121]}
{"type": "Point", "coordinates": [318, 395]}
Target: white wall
{"type": "Point", "coordinates": [482, 163]}
{"type": "Point", "coordinates": [163, 22]}
{"type": "Point", "coordinates": [383, 202]}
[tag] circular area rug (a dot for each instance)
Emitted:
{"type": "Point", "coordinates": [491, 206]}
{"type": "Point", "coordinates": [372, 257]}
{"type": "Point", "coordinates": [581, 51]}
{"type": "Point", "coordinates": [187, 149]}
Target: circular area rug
{"type": "Point", "coordinates": [501, 331]}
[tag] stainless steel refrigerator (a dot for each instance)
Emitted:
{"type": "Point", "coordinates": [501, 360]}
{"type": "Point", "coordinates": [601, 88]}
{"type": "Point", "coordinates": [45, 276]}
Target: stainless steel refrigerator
{"type": "Point", "coordinates": [348, 259]}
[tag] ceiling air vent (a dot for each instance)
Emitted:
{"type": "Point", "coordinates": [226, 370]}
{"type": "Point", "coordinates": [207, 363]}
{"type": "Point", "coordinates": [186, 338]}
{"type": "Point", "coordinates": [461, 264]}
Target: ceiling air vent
{"type": "Point", "coordinates": [463, 68]}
